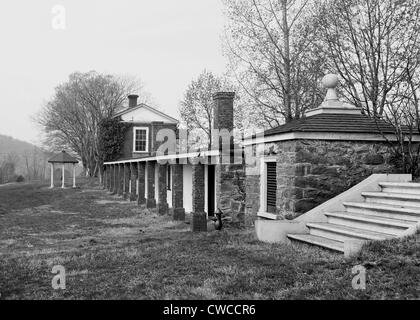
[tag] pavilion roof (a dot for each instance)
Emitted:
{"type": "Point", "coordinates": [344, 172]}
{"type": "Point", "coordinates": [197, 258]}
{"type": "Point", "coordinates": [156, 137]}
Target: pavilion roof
{"type": "Point", "coordinates": [63, 157]}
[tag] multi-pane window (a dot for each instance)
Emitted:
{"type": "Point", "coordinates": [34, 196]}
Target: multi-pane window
{"type": "Point", "coordinates": [140, 139]}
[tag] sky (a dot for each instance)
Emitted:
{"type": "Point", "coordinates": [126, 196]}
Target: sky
{"type": "Point", "coordinates": [164, 43]}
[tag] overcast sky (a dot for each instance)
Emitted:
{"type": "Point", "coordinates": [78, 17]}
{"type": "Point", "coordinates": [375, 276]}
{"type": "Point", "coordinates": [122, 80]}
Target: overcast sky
{"type": "Point", "coordinates": [165, 43]}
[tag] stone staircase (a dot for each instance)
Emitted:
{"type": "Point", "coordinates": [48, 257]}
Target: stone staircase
{"type": "Point", "coordinates": [391, 213]}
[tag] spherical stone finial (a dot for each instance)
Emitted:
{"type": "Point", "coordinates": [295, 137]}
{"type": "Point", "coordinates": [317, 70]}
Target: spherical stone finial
{"type": "Point", "coordinates": [330, 81]}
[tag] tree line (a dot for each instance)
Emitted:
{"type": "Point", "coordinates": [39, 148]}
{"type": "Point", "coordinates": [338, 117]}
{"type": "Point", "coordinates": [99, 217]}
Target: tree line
{"type": "Point", "coordinates": [31, 165]}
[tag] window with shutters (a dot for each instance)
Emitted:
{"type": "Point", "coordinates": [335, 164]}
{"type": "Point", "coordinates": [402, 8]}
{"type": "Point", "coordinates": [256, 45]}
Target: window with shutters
{"type": "Point", "coordinates": [271, 186]}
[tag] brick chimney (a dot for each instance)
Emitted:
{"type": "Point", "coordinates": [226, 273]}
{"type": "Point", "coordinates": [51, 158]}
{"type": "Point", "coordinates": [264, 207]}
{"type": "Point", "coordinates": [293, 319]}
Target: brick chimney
{"type": "Point", "coordinates": [223, 110]}
{"type": "Point", "coordinates": [132, 100]}
{"type": "Point", "coordinates": [223, 119]}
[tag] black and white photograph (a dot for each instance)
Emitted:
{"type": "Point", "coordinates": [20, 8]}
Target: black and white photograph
{"type": "Point", "coordinates": [219, 157]}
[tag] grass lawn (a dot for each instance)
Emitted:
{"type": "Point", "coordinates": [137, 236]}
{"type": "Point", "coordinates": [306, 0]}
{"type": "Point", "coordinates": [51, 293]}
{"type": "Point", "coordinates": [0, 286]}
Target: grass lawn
{"type": "Point", "coordinates": [112, 249]}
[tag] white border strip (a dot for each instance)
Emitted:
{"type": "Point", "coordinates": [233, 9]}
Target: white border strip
{"type": "Point", "coordinates": [169, 157]}
{"type": "Point", "coordinates": [323, 136]}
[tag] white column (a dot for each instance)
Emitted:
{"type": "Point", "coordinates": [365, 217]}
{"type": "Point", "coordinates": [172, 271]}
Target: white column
{"type": "Point", "coordinates": [62, 182]}
{"type": "Point", "coordinates": [52, 175]}
{"type": "Point", "coordinates": [74, 175]}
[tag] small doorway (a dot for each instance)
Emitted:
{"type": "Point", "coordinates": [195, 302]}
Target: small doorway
{"type": "Point", "coordinates": [211, 177]}
{"type": "Point", "coordinates": [271, 194]}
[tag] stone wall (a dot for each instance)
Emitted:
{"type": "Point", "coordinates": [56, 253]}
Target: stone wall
{"type": "Point", "coordinates": [252, 203]}
{"type": "Point", "coordinates": [325, 169]}
{"type": "Point", "coordinates": [230, 184]}
{"type": "Point", "coordinates": [310, 172]}
{"type": "Point", "coordinates": [231, 188]}
{"type": "Point", "coordinates": [285, 154]}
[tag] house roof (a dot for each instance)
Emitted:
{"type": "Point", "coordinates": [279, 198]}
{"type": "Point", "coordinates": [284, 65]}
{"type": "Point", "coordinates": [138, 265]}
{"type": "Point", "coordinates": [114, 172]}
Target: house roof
{"type": "Point", "coordinates": [334, 122]}
{"type": "Point", "coordinates": [145, 106]}
{"type": "Point", "coordinates": [335, 116]}
{"type": "Point", "coordinates": [63, 157]}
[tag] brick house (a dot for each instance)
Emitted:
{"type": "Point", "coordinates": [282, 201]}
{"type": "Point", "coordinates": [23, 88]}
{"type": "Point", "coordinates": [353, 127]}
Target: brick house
{"type": "Point", "coordinates": [145, 122]}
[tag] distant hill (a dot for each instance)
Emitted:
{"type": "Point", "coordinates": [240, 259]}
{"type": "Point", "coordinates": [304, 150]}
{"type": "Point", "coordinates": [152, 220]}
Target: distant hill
{"type": "Point", "coordinates": [28, 159]}
{"type": "Point", "coordinates": [10, 145]}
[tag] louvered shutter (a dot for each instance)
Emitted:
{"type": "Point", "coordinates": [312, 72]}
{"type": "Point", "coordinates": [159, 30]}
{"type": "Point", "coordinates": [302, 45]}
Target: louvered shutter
{"type": "Point", "coordinates": [271, 186]}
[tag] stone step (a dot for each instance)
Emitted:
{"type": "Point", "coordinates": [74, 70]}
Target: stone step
{"type": "Point", "coordinates": [396, 199]}
{"type": "Point", "coordinates": [318, 241]}
{"type": "Point", "coordinates": [371, 223]}
{"type": "Point", "coordinates": [384, 210]}
{"type": "Point", "coordinates": [342, 233]}
{"type": "Point", "coordinates": [400, 187]}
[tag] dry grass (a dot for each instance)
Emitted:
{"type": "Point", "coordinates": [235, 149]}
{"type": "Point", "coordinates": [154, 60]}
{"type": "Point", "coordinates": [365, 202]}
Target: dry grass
{"type": "Point", "coordinates": [114, 250]}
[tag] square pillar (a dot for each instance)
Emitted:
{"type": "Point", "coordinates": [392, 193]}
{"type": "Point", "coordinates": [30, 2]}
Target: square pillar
{"type": "Point", "coordinates": [133, 179]}
{"type": "Point", "coordinates": [52, 175]}
{"type": "Point", "coordinates": [141, 175]}
{"type": "Point", "coordinates": [150, 201]}
{"type": "Point", "coordinates": [178, 211]}
{"type": "Point", "coordinates": [108, 177]}
{"type": "Point", "coordinates": [162, 205]}
{"type": "Point", "coordinates": [120, 187]}
{"type": "Point", "coordinates": [111, 177]}
{"type": "Point", "coordinates": [126, 180]}
{"type": "Point", "coordinates": [74, 175]}
{"type": "Point", "coordinates": [114, 179]}
{"type": "Point", "coordinates": [199, 219]}
{"type": "Point", "coordinates": [105, 176]}
{"type": "Point", "coordinates": [63, 177]}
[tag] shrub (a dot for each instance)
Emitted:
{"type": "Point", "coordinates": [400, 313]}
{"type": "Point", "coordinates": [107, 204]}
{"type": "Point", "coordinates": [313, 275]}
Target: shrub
{"type": "Point", "coordinates": [111, 138]}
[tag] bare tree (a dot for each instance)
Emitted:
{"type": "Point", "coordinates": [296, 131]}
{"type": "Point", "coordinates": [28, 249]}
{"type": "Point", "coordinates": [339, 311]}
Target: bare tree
{"type": "Point", "coordinates": [402, 112]}
{"type": "Point", "coordinates": [35, 163]}
{"type": "Point", "coordinates": [196, 108]}
{"type": "Point", "coordinates": [8, 166]}
{"type": "Point", "coordinates": [369, 43]}
{"type": "Point", "coordinates": [71, 118]}
{"type": "Point", "coordinates": [272, 52]}
{"type": "Point", "coordinates": [374, 45]}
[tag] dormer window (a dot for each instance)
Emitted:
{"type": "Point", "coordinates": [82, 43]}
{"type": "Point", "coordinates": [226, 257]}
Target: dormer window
{"type": "Point", "coordinates": [141, 139]}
